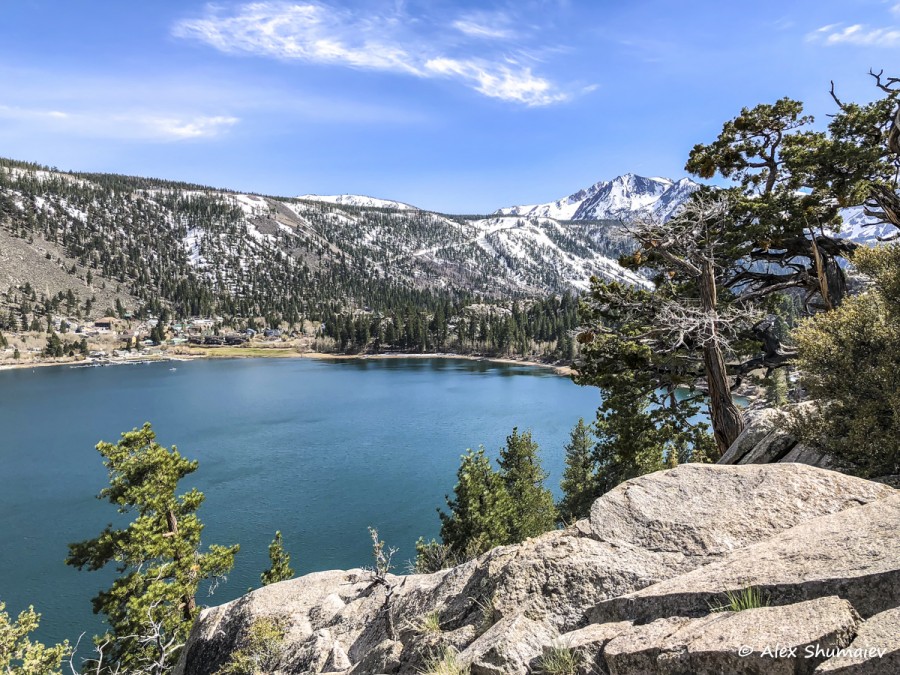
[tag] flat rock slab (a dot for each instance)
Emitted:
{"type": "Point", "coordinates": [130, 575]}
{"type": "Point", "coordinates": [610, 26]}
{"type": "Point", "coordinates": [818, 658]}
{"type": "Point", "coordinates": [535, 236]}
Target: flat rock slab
{"type": "Point", "coordinates": [854, 554]}
{"type": "Point", "coordinates": [703, 510]}
{"type": "Point", "coordinates": [789, 640]}
{"type": "Point", "coordinates": [508, 647]}
{"type": "Point", "coordinates": [559, 575]}
{"type": "Point", "coordinates": [874, 651]}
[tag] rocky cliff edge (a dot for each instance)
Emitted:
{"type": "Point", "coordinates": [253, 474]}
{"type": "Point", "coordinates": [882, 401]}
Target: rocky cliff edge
{"type": "Point", "coordinates": [642, 586]}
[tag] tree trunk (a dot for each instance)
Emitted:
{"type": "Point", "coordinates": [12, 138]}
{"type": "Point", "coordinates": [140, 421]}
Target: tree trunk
{"type": "Point", "coordinates": [189, 603]}
{"type": "Point", "coordinates": [727, 422]}
{"type": "Point", "coordinates": [894, 134]}
{"type": "Point", "coordinates": [821, 275]}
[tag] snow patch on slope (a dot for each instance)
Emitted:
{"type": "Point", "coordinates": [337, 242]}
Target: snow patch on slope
{"type": "Point", "coordinates": [863, 229]}
{"type": "Point", "coordinates": [360, 201]}
{"type": "Point", "coordinates": [542, 251]}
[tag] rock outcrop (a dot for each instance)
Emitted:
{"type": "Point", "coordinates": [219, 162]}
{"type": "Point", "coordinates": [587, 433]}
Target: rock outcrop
{"type": "Point", "coordinates": [876, 648]}
{"type": "Point", "coordinates": [628, 590]}
{"type": "Point", "coordinates": [767, 641]}
{"type": "Point", "coordinates": [767, 439]}
{"type": "Point", "coordinates": [854, 554]}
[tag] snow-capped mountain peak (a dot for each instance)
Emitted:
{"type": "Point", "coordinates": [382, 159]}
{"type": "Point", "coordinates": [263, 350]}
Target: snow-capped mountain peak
{"type": "Point", "coordinates": [609, 200]}
{"type": "Point", "coordinates": [361, 201]}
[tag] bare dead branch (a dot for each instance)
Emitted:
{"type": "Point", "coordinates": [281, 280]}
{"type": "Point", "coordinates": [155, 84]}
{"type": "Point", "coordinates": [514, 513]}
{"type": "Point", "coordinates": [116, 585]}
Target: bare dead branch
{"type": "Point", "coordinates": [891, 85]}
{"type": "Point", "coordinates": [834, 96]}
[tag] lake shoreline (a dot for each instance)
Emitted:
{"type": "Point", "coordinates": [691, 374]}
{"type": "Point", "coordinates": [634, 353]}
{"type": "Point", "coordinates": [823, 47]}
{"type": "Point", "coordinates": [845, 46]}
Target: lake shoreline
{"type": "Point", "coordinates": [564, 371]}
{"type": "Point", "coordinates": [235, 353]}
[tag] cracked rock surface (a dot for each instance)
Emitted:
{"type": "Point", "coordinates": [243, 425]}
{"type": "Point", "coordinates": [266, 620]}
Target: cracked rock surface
{"type": "Point", "coordinates": [625, 591]}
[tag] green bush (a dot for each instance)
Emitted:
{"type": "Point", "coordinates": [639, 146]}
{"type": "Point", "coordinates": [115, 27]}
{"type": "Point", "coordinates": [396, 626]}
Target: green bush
{"type": "Point", "coordinates": [850, 364]}
{"type": "Point", "coordinates": [262, 650]}
{"type": "Point", "coordinates": [19, 655]}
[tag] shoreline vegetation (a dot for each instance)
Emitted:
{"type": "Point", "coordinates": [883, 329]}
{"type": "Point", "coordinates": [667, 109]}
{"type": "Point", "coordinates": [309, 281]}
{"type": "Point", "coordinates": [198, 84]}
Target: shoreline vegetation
{"type": "Point", "coordinates": [191, 354]}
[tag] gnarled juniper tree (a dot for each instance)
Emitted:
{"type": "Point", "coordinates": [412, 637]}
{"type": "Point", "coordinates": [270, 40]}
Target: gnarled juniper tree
{"type": "Point", "coordinates": [720, 264]}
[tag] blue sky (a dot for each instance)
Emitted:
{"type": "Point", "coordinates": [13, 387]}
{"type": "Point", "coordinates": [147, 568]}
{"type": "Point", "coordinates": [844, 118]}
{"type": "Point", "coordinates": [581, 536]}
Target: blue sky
{"type": "Point", "coordinates": [453, 106]}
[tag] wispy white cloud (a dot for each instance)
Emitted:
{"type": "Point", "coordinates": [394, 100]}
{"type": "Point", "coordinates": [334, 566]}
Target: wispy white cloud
{"type": "Point", "coordinates": [856, 34]}
{"type": "Point", "coordinates": [783, 24]}
{"type": "Point", "coordinates": [498, 81]}
{"type": "Point", "coordinates": [309, 32]}
{"type": "Point", "coordinates": [174, 128]}
{"type": "Point", "coordinates": [177, 107]}
{"type": "Point", "coordinates": [896, 9]}
{"type": "Point", "coordinates": [314, 32]}
{"type": "Point", "coordinates": [487, 25]}
{"type": "Point", "coordinates": [140, 126]}
{"type": "Point", "coordinates": [480, 30]}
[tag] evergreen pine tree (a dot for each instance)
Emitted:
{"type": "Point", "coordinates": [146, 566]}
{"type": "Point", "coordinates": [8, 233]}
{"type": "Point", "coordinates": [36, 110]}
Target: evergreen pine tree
{"type": "Point", "coordinates": [19, 654]}
{"type": "Point", "coordinates": [54, 346]}
{"type": "Point", "coordinates": [523, 476]}
{"type": "Point", "coordinates": [480, 509]}
{"type": "Point", "coordinates": [579, 482]}
{"type": "Point", "coordinates": [280, 568]}
{"type": "Point", "coordinates": [151, 605]}
{"type": "Point", "coordinates": [640, 432]}
{"type": "Point", "coordinates": [628, 438]}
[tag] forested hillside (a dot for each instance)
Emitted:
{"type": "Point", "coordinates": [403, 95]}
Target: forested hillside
{"type": "Point", "coordinates": [88, 245]}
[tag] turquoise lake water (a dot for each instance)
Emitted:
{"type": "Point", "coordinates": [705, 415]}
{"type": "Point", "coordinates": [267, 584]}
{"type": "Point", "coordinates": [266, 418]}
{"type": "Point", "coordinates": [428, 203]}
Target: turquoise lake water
{"type": "Point", "coordinates": [319, 450]}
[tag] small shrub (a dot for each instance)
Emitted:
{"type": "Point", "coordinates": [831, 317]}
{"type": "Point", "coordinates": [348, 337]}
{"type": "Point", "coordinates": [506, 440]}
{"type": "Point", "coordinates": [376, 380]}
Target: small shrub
{"type": "Point", "coordinates": [748, 598]}
{"type": "Point", "coordinates": [445, 663]}
{"type": "Point", "coordinates": [489, 614]}
{"type": "Point", "coordinates": [262, 650]}
{"type": "Point", "coordinates": [430, 623]}
{"type": "Point", "coordinates": [559, 661]}
{"type": "Point", "coordinates": [382, 555]}
{"type": "Point", "coordinates": [433, 556]}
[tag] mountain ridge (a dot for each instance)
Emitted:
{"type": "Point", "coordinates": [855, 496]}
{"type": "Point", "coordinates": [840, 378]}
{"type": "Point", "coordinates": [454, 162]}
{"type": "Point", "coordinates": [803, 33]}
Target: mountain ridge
{"type": "Point", "coordinates": [624, 195]}
{"type": "Point", "coordinates": [211, 250]}
{"type": "Point", "coordinates": [347, 199]}
{"type": "Point", "coordinates": [245, 254]}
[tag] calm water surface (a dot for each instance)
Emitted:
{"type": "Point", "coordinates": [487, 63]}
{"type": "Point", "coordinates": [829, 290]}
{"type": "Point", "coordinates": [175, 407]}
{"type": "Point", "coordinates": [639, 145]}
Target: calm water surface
{"type": "Point", "coordinates": [318, 450]}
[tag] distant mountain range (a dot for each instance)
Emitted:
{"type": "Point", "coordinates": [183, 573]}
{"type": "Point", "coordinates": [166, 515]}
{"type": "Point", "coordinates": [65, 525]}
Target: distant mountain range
{"type": "Point", "coordinates": [614, 199]}
{"type": "Point", "coordinates": [630, 194]}
{"type": "Point", "coordinates": [103, 234]}
{"type": "Point", "coordinates": [110, 238]}
{"type": "Point", "coordinates": [863, 229]}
